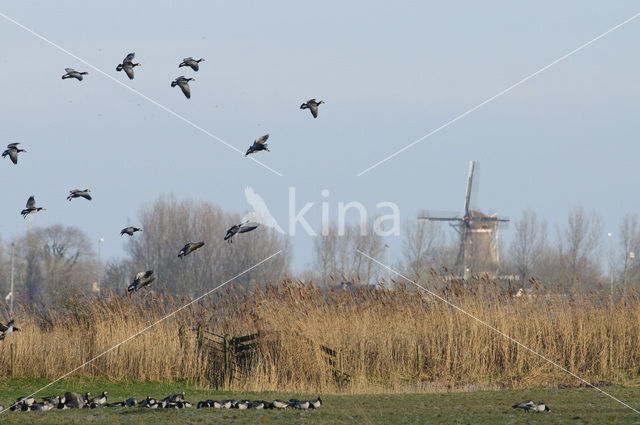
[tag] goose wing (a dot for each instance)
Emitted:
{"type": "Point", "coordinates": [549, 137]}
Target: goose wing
{"type": "Point", "coordinates": [85, 195]}
{"type": "Point", "coordinates": [13, 154]}
{"type": "Point", "coordinates": [129, 58]}
{"type": "Point", "coordinates": [184, 86]}
{"type": "Point", "coordinates": [3, 327]}
{"type": "Point", "coordinates": [69, 70]}
{"type": "Point", "coordinates": [260, 140]}
{"type": "Point", "coordinates": [128, 69]}
{"type": "Point", "coordinates": [31, 202]}
{"type": "Point", "coordinates": [232, 231]}
{"type": "Point", "coordinates": [244, 228]}
{"type": "Point", "coordinates": [13, 145]}
{"type": "Point", "coordinates": [314, 110]}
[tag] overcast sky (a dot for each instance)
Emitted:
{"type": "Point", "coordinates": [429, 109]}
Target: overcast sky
{"type": "Point", "coordinates": [389, 72]}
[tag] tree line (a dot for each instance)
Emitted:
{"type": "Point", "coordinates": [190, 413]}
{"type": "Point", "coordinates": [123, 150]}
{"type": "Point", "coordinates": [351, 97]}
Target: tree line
{"type": "Point", "coordinates": [53, 263]}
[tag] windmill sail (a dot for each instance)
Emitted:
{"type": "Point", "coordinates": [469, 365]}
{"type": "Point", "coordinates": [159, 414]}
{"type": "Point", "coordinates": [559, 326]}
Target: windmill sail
{"type": "Point", "coordinates": [478, 249]}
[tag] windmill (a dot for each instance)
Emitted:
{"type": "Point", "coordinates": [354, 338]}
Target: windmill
{"type": "Point", "coordinates": [478, 250]}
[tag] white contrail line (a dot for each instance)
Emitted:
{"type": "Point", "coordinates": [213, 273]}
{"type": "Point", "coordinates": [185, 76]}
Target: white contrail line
{"type": "Point", "coordinates": [150, 326]}
{"type": "Point", "coordinates": [464, 114]}
{"type": "Point", "coordinates": [498, 331]}
{"type": "Point", "coordinates": [164, 108]}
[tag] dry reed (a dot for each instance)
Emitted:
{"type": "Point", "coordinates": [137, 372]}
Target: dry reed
{"type": "Point", "coordinates": [397, 340]}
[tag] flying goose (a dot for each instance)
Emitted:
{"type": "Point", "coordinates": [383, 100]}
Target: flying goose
{"type": "Point", "coordinates": [189, 248]}
{"type": "Point", "coordinates": [183, 82]}
{"type": "Point", "coordinates": [13, 150]}
{"type": "Point", "coordinates": [127, 65]}
{"type": "Point", "coordinates": [31, 207]}
{"type": "Point", "coordinates": [239, 228]}
{"type": "Point", "coordinates": [312, 105]}
{"type": "Point", "coordinates": [7, 329]}
{"type": "Point", "coordinates": [141, 280]}
{"type": "Point", "coordinates": [258, 145]}
{"type": "Point", "coordinates": [531, 406]}
{"type": "Point", "coordinates": [193, 63]}
{"type": "Point", "coordinates": [130, 230]}
{"type": "Point", "coordinates": [72, 73]}
{"type": "Point", "coordinates": [76, 193]}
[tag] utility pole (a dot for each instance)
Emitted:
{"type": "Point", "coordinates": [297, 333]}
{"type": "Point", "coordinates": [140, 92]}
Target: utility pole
{"type": "Point", "coordinates": [388, 249]}
{"type": "Point", "coordinates": [99, 264]}
{"type": "Point", "coordinates": [611, 261]}
{"type": "Point", "coordinates": [13, 247]}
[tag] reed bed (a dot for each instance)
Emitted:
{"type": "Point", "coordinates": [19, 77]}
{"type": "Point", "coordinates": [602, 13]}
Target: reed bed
{"type": "Point", "coordinates": [385, 341]}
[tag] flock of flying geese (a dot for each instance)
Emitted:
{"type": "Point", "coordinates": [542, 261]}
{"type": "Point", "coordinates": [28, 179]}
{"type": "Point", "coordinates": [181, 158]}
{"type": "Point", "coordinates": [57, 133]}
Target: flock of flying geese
{"type": "Point", "coordinates": [145, 278]}
{"type": "Point", "coordinates": [173, 401]}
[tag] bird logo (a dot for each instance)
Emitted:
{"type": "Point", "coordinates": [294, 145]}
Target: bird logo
{"type": "Point", "coordinates": [260, 213]}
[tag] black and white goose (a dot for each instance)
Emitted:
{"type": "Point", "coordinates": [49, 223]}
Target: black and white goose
{"type": "Point", "coordinates": [7, 329]}
{"type": "Point", "coordinates": [531, 406]}
{"type": "Point", "coordinates": [77, 193]}
{"type": "Point", "coordinates": [239, 228]}
{"type": "Point", "coordinates": [12, 151]}
{"type": "Point", "coordinates": [31, 207]}
{"type": "Point", "coordinates": [316, 403]}
{"type": "Point", "coordinates": [279, 404]}
{"type": "Point", "coordinates": [183, 83]}
{"type": "Point", "coordinates": [72, 73]}
{"type": "Point", "coordinates": [141, 280]}
{"type": "Point", "coordinates": [189, 248]}
{"type": "Point", "coordinates": [191, 62]}
{"type": "Point", "coordinates": [127, 65]}
{"type": "Point", "coordinates": [130, 230]}
{"type": "Point", "coordinates": [258, 145]}
{"type": "Point", "coordinates": [101, 399]}
{"type": "Point", "coordinates": [312, 105]}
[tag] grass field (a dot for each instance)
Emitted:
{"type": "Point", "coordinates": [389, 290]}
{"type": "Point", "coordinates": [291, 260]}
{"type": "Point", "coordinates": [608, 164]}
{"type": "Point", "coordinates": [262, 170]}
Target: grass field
{"type": "Point", "coordinates": [571, 406]}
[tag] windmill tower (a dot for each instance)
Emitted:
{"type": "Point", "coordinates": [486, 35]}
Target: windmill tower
{"type": "Point", "coordinates": [478, 248]}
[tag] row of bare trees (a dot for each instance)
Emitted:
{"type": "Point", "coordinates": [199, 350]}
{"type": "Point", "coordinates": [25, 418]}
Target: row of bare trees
{"type": "Point", "coordinates": [55, 262]}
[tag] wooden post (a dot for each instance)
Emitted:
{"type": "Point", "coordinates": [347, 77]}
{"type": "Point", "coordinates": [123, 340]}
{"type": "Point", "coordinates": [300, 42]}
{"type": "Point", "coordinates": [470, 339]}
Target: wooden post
{"type": "Point", "coordinates": [418, 360]}
{"type": "Point", "coordinates": [227, 361]}
{"type": "Point", "coordinates": [13, 360]}
{"type": "Point", "coordinates": [200, 337]}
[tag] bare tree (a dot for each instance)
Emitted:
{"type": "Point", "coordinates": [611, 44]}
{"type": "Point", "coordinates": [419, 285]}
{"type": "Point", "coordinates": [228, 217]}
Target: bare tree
{"type": "Point", "coordinates": [58, 262]}
{"type": "Point", "coordinates": [168, 224]}
{"type": "Point", "coordinates": [423, 247]}
{"type": "Point", "coordinates": [630, 246]}
{"type": "Point", "coordinates": [579, 243]}
{"type": "Point", "coordinates": [529, 245]}
{"type": "Point", "coordinates": [337, 256]}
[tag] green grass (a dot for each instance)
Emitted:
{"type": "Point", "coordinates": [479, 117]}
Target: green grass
{"type": "Point", "coordinates": [571, 406]}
